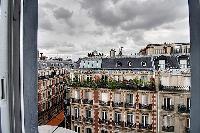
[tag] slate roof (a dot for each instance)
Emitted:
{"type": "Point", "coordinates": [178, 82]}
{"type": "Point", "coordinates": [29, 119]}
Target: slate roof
{"type": "Point", "coordinates": [170, 62]}
{"type": "Point", "coordinates": [127, 63]}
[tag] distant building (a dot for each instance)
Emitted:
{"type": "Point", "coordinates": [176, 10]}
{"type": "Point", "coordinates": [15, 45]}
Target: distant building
{"type": "Point", "coordinates": [51, 85]}
{"type": "Point", "coordinates": [166, 49]}
{"type": "Point", "coordinates": [136, 63]}
{"type": "Point", "coordinates": [129, 101]}
{"type": "Point", "coordinates": [55, 63]}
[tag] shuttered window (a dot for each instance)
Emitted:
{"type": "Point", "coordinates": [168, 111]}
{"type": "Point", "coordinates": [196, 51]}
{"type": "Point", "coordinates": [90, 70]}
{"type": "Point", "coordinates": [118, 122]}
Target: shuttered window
{"type": "Point", "coordinates": [144, 99]}
{"type": "Point", "coordinates": [104, 97]}
{"type": "Point", "coordinates": [77, 94]}
{"type": "Point", "coordinates": [117, 97]}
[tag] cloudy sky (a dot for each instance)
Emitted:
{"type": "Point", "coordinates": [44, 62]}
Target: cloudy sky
{"type": "Point", "coordinates": [72, 28]}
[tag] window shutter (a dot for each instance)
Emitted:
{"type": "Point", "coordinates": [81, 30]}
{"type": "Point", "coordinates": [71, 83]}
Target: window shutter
{"type": "Point", "coordinates": [105, 97]}
{"type": "Point", "coordinates": [117, 97]}
{"type": "Point", "coordinates": [144, 99]}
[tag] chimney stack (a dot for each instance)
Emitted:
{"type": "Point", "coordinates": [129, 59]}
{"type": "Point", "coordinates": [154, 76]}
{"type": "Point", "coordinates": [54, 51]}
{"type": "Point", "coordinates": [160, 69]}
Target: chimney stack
{"type": "Point", "coordinates": [112, 53]}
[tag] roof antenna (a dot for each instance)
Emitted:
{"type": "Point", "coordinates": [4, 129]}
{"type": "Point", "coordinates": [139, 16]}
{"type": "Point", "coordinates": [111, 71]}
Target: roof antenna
{"type": "Point", "coordinates": [120, 51]}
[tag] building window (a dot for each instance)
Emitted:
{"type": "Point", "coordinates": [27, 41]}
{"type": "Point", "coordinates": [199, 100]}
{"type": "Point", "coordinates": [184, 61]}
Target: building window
{"type": "Point", "coordinates": [167, 121]}
{"type": "Point", "coordinates": [88, 95]}
{"type": "Point", "coordinates": [188, 103]}
{"type": "Point", "coordinates": [44, 96]}
{"type": "Point", "coordinates": [118, 64]}
{"type": "Point", "coordinates": [117, 117]}
{"type": "Point", "coordinates": [104, 115]}
{"type": "Point", "coordinates": [77, 94]}
{"type": "Point", "coordinates": [130, 118]}
{"type": "Point", "coordinates": [104, 97]}
{"type": "Point", "coordinates": [144, 100]}
{"type": "Point", "coordinates": [129, 63]}
{"type": "Point", "coordinates": [167, 102]}
{"type": "Point", "coordinates": [117, 98]}
{"type": "Point", "coordinates": [188, 123]}
{"type": "Point", "coordinates": [76, 112]}
{"type": "Point", "coordinates": [143, 63]}
{"type": "Point", "coordinates": [77, 129]}
{"type": "Point", "coordinates": [43, 106]}
{"type": "Point", "coordinates": [129, 98]}
{"type": "Point", "coordinates": [162, 64]}
{"type": "Point", "coordinates": [183, 63]}
{"type": "Point", "coordinates": [145, 120]}
{"type": "Point", "coordinates": [88, 130]}
{"type": "Point", "coordinates": [88, 113]}
{"type": "Point", "coordinates": [104, 131]}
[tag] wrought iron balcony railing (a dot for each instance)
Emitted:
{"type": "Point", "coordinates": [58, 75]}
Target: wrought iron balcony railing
{"type": "Point", "coordinates": [168, 108]}
{"type": "Point", "coordinates": [129, 105]}
{"type": "Point", "coordinates": [103, 121]}
{"type": "Point", "coordinates": [103, 103]}
{"type": "Point", "coordinates": [117, 104]}
{"type": "Point", "coordinates": [130, 124]}
{"type": "Point", "coordinates": [183, 109]}
{"type": "Point", "coordinates": [168, 128]}
{"type": "Point", "coordinates": [87, 101]}
{"type": "Point", "coordinates": [77, 118]}
{"type": "Point", "coordinates": [118, 123]}
{"type": "Point", "coordinates": [88, 119]}
{"type": "Point", "coordinates": [76, 100]}
{"type": "Point", "coordinates": [144, 106]}
{"type": "Point", "coordinates": [145, 126]}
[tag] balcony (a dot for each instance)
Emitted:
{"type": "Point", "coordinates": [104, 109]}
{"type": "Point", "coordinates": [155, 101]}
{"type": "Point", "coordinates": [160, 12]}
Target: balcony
{"type": "Point", "coordinates": [183, 109]}
{"type": "Point", "coordinates": [117, 104]}
{"type": "Point", "coordinates": [103, 103]}
{"type": "Point", "coordinates": [74, 100]}
{"type": "Point", "coordinates": [67, 102]}
{"type": "Point", "coordinates": [103, 121]}
{"type": "Point", "coordinates": [118, 123]}
{"type": "Point", "coordinates": [87, 101]}
{"type": "Point", "coordinates": [147, 107]}
{"type": "Point", "coordinates": [88, 120]}
{"type": "Point", "coordinates": [130, 125]}
{"type": "Point", "coordinates": [76, 118]}
{"type": "Point", "coordinates": [168, 128]}
{"type": "Point", "coordinates": [146, 126]}
{"type": "Point", "coordinates": [129, 105]}
{"type": "Point", "coordinates": [168, 108]}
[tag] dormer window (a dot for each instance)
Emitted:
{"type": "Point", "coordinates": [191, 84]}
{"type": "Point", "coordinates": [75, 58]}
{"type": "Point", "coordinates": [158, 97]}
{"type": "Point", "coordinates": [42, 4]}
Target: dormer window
{"type": "Point", "coordinates": [129, 63]}
{"type": "Point", "coordinates": [118, 64]}
{"type": "Point", "coordinates": [183, 63]}
{"type": "Point", "coordinates": [162, 64]}
{"type": "Point", "coordinates": [143, 63]}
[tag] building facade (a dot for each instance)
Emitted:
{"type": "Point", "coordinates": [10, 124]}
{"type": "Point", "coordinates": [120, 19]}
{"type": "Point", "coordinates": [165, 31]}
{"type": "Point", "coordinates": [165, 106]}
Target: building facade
{"type": "Point", "coordinates": [166, 49]}
{"type": "Point", "coordinates": [155, 102]}
{"type": "Point", "coordinates": [51, 85]}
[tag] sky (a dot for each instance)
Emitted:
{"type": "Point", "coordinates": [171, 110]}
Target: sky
{"type": "Point", "coordinates": [72, 28]}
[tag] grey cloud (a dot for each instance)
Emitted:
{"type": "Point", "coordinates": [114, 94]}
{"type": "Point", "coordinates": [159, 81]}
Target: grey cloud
{"type": "Point", "coordinates": [135, 14]}
{"type": "Point", "coordinates": [48, 5]}
{"type": "Point", "coordinates": [62, 13]}
{"type": "Point", "coordinates": [46, 25]}
{"type": "Point", "coordinates": [44, 21]}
